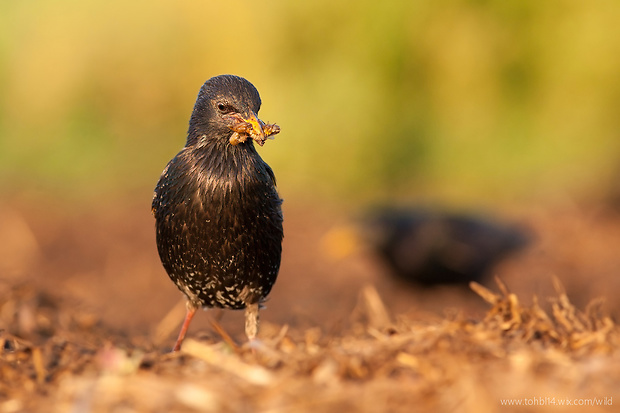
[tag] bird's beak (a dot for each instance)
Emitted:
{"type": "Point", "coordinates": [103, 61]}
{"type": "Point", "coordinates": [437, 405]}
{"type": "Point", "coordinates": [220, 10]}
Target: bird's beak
{"type": "Point", "coordinates": [249, 124]}
{"type": "Point", "coordinates": [256, 132]}
{"type": "Point", "coordinates": [246, 125]}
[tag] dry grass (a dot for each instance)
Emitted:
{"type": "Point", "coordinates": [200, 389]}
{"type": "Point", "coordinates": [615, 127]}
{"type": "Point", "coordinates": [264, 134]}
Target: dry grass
{"type": "Point", "coordinates": [57, 357]}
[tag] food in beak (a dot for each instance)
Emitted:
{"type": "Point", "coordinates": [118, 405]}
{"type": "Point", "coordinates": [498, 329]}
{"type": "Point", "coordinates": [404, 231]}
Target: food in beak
{"type": "Point", "coordinates": [253, 127]}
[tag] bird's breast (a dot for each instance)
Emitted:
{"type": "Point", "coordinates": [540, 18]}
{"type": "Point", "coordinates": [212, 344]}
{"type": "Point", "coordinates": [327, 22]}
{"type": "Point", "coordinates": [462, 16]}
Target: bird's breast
{"type": "Point", "coordinates": [215, 191]}
{"type": "Point", "coordinates": [219, 228]}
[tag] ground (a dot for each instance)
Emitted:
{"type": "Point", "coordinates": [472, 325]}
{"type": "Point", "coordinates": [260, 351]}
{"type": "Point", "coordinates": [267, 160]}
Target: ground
{"type": "Point", "coordinates": [88, 316]}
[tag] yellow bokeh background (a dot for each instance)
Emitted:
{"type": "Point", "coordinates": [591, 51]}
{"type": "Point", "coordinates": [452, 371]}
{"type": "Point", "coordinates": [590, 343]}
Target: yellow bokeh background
{"type": "Point", "coordinates": [454, 100]}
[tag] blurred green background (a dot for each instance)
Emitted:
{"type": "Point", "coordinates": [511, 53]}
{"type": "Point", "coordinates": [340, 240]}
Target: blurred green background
{"type": "Point", "coordinates": [456, 100]}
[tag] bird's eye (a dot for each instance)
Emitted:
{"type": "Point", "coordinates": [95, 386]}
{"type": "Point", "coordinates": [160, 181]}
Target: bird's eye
{"type": "Point", "coordinates": [225, 108]}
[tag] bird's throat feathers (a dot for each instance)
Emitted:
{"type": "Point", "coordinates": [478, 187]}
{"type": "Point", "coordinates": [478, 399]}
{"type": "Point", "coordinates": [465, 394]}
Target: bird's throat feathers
{"type": "Point", "coordinates": [219, 167]}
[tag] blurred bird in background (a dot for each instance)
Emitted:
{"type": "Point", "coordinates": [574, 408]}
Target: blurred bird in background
{"type": "Point", "coordinates": [427, 247]}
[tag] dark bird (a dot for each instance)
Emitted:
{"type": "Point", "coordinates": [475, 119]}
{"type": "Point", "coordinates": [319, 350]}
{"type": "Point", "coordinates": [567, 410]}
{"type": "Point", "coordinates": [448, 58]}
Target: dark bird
{"type": "Point", "coordinates": [217, 211]}
{"type": "Point", "coordinates": [429, 248]}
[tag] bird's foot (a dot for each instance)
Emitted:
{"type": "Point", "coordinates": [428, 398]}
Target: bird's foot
{"type": "Point", "coordinates": [255, 345]}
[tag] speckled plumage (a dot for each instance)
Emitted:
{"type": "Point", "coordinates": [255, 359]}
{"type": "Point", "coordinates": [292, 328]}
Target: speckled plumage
{"type": "Point", "coordinates": [218, 214]}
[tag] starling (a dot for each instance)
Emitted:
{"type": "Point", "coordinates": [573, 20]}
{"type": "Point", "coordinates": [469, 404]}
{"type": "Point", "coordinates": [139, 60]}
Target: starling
{"type": "Point", "coordinates": [217, 211]}
{"type": "Point", "coordinates": [429, 248]}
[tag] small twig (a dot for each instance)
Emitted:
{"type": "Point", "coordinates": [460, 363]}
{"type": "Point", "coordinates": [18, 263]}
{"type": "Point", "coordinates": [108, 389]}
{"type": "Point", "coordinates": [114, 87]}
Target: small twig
{"type": "Point", "coordinates": [230, 363]}
{"type": "Point", "coordinates": [502, 286]}
{"type": "Point", "coordinates": [378, 316]}
{"type": "Point", "coordinates": [39, 368]}
{"type": "Point", "coordinates": [225, 336]}
{"type": "Point", "coordinates": [486, 294]}
{"type": "Point", "coordinates": [170, 323]}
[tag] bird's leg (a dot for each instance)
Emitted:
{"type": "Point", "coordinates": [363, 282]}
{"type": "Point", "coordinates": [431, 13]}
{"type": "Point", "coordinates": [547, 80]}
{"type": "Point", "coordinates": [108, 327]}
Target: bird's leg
{"type": "Point", "coordinates": [191, 310]}
{"type": "Point", "coordinates": [251, 321]}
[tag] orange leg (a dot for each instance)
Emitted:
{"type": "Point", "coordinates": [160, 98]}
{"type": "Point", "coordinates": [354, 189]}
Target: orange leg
{"type": "Point", "coordinates": [191, 310]}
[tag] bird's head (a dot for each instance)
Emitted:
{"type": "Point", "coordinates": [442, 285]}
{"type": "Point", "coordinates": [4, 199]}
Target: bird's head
{"type": "Point", "coordinates": [226, 111]}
